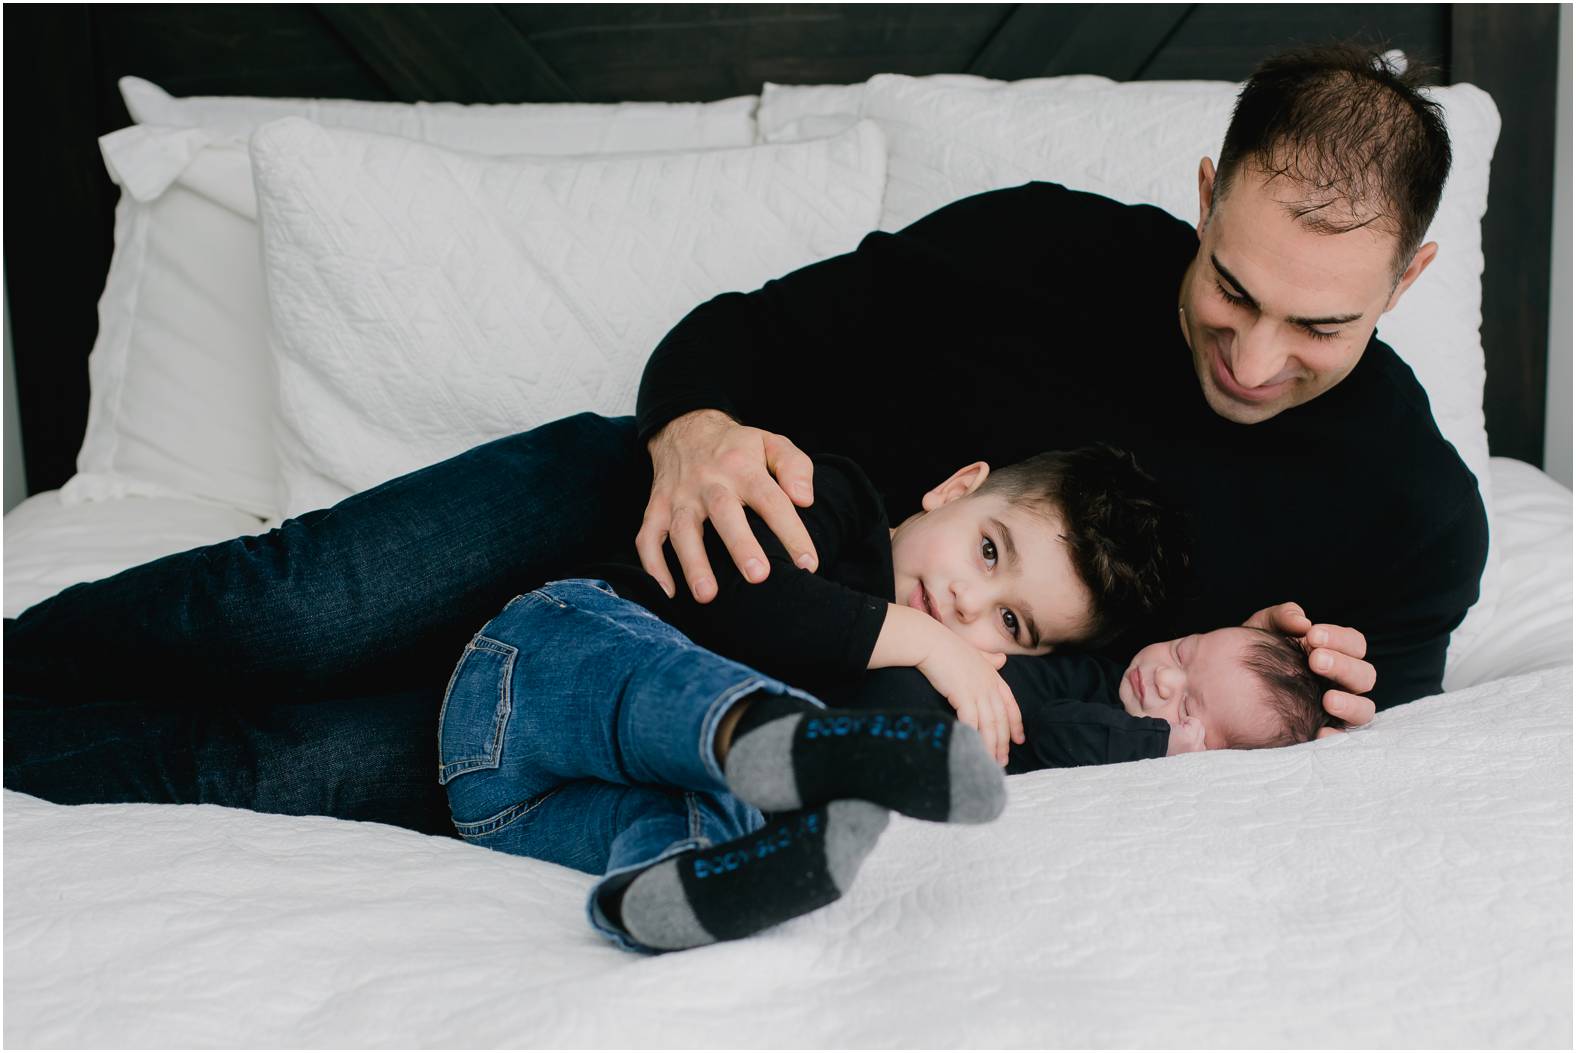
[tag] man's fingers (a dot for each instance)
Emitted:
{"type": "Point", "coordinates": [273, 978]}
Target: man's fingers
{"type": "Point", "coordinates": [1287, 618]}
{"type": "Point", "coordinates": [782, 519]}
{"type": "Point", "coordinates": [794, 471]}
{"type": "Point", "coordinates": [685, 534]}
{"type": "Point", "coordinates": [1325, 733]}
{"type": "Point", "coordinates": [649, 543]}
{"type": "Point", "coordinates": [1354, 709]}
{"type": "Point", "coordinates": [1352, 674]}
{"type": "Point", "coordinates": [727, 516]}
{"type": "Point", "coordinates": [1342, 638]}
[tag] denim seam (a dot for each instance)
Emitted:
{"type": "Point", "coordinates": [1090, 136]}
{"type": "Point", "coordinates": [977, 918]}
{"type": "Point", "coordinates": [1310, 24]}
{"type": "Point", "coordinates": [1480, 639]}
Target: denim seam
{"type": "Point", "coordinates": [511, 814]}
{"type": "Point", "coordinates": [501, 714]}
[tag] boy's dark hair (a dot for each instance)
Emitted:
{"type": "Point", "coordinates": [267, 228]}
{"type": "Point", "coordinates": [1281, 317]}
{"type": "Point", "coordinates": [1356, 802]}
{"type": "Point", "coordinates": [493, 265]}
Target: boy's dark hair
{"type": "Point", "coordinates": [1344, 123]}
{"type": "Point", "coordinates": [1127, 547]}
{"type": "Point", "coordinates": [1295, 691]}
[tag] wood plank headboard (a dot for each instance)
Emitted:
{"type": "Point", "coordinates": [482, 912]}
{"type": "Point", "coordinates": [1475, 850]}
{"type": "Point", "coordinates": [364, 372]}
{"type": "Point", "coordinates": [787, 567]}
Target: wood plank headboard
{"type": "Point", "coordinates": [62, 63]}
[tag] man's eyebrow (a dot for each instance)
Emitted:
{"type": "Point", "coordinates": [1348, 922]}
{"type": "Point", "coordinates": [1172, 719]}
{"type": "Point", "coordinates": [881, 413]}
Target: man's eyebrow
{"type": "Point", "coordinates": [1334, 319]}
{"type": "Point", "coordinates": [1012, 562]}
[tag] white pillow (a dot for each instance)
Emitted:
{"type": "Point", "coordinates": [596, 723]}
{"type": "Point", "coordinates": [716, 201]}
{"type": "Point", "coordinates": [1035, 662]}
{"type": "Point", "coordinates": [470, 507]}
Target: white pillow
{"type": "Point", "coordinates": [424, 301]}
{"type": "Point", "coordinates": [802, 111]}
{"type": "Point", "coordinates": [1141, 143]}
{"type": "Point", "coordinates": [555, 128]}
{"type": "Point", "coordinates": [182, 397]}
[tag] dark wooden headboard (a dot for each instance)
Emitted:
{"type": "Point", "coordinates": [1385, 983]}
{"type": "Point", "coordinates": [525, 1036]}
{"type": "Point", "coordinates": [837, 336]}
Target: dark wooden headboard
{"type": "Point", "coordinates": [62, 62]}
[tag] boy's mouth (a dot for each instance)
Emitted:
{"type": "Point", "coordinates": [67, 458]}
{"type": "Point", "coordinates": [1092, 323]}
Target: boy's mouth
{"type": "Point", "coordinates": [919, 599]}
{"type": "Point", "coordinates": [1137, 681]}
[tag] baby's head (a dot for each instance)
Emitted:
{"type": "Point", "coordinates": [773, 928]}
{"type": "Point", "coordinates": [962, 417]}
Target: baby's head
{"type": "Point", "coordinates": [1065, 547]}
{"type": "Point", "coordinates": [1235, 688]}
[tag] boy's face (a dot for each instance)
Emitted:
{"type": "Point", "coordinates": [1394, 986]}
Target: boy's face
{"type": "Point", "coordinates": [996, 574]}
{"type": "Point", "coordinates": [1202, 687]}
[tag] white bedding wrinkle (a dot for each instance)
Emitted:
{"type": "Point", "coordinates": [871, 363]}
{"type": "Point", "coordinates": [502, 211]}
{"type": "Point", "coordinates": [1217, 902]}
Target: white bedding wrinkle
{"type": "Point", "coordinates": [1406, 885]}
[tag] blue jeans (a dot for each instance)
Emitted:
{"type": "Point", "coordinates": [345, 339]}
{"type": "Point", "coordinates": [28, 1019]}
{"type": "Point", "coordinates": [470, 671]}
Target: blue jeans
{"type": "Point", "coordinates": [300, 671]}
{"type": "Point", "coordinates": [581, 729]}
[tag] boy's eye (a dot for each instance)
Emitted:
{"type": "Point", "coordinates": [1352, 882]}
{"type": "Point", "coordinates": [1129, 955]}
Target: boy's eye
{"type": "Point", "coordinates": [1010, 620]}
{"type": "Point", "coordinates": [988, 550]}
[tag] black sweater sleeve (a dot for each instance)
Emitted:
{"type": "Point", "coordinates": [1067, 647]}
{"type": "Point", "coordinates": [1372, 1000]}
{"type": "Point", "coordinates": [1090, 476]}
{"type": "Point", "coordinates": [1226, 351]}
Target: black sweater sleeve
{"type": "Point", "coordinates": [1061, 730]}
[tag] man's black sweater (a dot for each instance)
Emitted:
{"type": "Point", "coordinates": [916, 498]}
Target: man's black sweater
{"type": "Point", "coordinates": [1039, 318]}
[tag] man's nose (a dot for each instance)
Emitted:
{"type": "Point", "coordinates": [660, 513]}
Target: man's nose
{"type": "Point", "coordinates": [1261, 353]}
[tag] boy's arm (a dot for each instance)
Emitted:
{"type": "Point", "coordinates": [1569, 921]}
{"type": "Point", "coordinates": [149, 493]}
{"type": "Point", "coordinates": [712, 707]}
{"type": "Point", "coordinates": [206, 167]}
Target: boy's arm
{"type": "Point", "coordinates": [1062, 731]}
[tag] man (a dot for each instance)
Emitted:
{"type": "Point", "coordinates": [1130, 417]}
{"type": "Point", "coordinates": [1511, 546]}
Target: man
{"type": "Point", "coordinates": [300, 671]}
{"type": "Point", "coordinates": [1238, 361]}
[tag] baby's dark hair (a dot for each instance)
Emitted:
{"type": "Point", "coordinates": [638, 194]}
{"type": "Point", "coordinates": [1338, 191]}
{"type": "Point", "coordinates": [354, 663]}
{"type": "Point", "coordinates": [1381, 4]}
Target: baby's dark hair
{"type": "Point", "coordinates": [1127, 547]}
{"type": "Point", "coordinates": [1296, 692]}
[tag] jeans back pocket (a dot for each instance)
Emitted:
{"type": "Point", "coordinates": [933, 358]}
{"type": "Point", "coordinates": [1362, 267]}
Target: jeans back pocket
{"type": "Point", "coordinates": [476, 709]}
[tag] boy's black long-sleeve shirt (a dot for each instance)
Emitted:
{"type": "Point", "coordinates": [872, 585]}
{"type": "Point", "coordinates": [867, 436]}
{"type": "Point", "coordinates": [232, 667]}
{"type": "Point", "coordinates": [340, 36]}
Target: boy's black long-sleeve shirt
{"type": "Point", "coordinates": [817, 632]}
{"type": "Point", "coordinates": [1039, 318]}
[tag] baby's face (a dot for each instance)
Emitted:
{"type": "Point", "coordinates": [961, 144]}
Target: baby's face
{"type": "Point", "coordinates": [1201, 686]}
{"type": "Point", "coordinates": [992, 572]}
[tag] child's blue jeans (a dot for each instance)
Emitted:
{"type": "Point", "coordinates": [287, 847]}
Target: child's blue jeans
{"type": "Point", "coordinates": [579, 728]}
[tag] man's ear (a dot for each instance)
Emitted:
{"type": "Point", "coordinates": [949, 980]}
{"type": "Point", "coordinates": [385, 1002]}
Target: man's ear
{"type": "Point", "coordinates": [962, 482]}
{"type": "Point", "coordinates": [1425, 256]}
{"type": "Point", "coordinates": [1206, 193]}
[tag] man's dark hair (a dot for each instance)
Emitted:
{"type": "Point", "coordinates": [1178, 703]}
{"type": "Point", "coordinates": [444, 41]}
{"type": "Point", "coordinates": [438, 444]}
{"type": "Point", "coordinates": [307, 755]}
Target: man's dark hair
{"type": "Point", "coordinates": [1296, 692]}
{"type": "Point", "coordinates": [1127, 547]}
{"type": "Point", "coordinates": [1344, 123]}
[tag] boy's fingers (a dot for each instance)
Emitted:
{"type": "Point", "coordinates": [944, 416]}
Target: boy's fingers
{"type": "Point", "coordinates": [1014, 714]}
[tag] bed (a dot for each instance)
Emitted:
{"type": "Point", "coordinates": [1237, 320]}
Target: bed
{"type": "Point", "coordinates": [1405, 885]}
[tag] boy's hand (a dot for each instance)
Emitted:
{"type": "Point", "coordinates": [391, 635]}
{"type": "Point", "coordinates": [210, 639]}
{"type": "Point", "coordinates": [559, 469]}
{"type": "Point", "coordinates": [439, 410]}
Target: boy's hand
{"type": "Point", "coordinates": [707, 466]}
{"type": "Point", "coordinates": [969, 679]}
{"type": "Point", "coordinates": [1336, 653]}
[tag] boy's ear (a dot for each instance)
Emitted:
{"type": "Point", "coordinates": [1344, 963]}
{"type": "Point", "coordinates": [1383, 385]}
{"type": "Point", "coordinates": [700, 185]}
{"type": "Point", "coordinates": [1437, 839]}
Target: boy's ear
{"type": "Point", "coordinates": [961, 483]}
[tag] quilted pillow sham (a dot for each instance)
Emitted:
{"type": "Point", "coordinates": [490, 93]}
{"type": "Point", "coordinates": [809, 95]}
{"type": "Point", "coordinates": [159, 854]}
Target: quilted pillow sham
{"type": "Point", "coordinates": [1141, 143]}
{"type": "Point", "coordinates": [423, 301]}
{"type": "Point", "coordinates": [182, 400]}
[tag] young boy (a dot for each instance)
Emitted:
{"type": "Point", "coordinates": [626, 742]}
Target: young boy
{"type": "Point", "coordinates": [581, 729]}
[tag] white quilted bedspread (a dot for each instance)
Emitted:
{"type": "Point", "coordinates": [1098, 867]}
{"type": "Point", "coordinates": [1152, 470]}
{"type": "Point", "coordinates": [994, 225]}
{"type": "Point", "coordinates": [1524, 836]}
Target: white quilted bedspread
{"type": "Point", "coordinates": [1409, 884]}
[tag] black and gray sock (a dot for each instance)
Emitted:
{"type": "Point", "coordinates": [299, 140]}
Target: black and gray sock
{"type": "Point", "coordinates": [800, 861]}
{"type": "Point", "coordinates": [786, 754]}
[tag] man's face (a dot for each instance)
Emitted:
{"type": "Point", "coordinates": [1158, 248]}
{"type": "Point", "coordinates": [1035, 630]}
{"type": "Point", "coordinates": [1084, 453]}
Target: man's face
{"type": "Point", "coordinates": [1277, 313]}
{"type": "Point", "coordinates": [994, 573]}
{"type": "Point", "coordinates": [1201, 686]}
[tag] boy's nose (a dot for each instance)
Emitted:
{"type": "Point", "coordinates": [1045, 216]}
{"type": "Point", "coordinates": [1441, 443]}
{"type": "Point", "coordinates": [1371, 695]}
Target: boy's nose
{"type": "Point", "coordinates": [965, 604]}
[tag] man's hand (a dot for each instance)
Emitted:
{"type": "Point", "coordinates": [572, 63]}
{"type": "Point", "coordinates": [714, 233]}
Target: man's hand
{"type": "Point", "coordinates": [1334, 652]}
{"type": "Point", "coordinates": [970, 679]}
{"type": "Point", "coordinates": [707, 466]}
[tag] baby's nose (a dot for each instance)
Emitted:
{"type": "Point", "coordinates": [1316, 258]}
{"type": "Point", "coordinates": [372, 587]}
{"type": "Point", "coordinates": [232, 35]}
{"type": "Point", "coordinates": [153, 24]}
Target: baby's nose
{"type": "Point", "coordinates": [1168, 682]}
